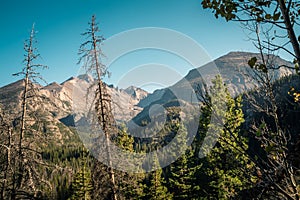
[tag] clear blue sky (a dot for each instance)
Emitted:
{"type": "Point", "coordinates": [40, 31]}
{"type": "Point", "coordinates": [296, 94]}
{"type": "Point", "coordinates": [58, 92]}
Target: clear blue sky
{"type": "Point", "coordinates": [60, 23]}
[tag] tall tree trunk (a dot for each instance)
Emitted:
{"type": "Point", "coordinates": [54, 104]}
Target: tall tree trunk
{"type": "Point", "coordinates": [106, 114]}
{"type": "Point", "coordinates": [19, 171]}
{"type": "Point", "coordinates": [291, 33]}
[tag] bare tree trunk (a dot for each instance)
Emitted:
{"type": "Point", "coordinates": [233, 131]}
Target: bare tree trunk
{"type": "Point", "coordinates": [24, 111]}
{"type": "Point", "coordinates": [105, 111]}
{"type": "Point", "coordinates": [27, 153]}
{"type": "Point", "coordinates": [290, 30]}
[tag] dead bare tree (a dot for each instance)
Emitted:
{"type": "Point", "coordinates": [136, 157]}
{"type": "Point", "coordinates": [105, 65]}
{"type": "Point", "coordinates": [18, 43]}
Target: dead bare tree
{"type": "Point", "coordinates": [27, 174]}
{"type": "Point", "coordinates": [91, 55]}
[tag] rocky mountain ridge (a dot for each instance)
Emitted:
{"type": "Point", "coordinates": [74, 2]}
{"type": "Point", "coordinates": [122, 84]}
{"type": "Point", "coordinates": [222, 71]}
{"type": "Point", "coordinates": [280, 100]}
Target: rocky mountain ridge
{"type": "Point", "coordinates": [234, 70]}
{"type": "Point", "coordinates": [54, 102]}
{"type": "Point", "coordinates": [134, 102]}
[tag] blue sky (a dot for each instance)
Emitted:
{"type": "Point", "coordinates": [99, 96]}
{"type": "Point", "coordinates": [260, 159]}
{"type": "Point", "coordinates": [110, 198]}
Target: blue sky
{"type": "Point", "coordinates": [60, 23]}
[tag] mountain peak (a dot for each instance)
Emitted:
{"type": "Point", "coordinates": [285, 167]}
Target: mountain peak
{"type": "Point", "coordinates": [54, 86]}
{"type": "Point", "coordinates": [239, 53]}
{"type": "Point", "coordinates": [136, 92]}
{"type": "Point", "coordinates": [242, 55]}
{"type": "Point", "coordinates": [18, 85]}
{"type": "Point", "coordinates": [86, 77]}
{"type": "Point", "coordinates": [15, 84]}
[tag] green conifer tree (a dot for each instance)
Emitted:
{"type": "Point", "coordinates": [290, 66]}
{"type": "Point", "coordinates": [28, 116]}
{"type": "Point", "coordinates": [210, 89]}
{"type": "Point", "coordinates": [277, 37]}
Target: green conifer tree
{"type": "Point", "coordinates": [227, 165]}
{"type": "Point", "coordinates": [156, 188]}
{"type": "Point", "coordinates": [182, 178]}
{"type": "Point", "coordinates": [129, 184]}
{"type": "Point", "coordinates": [82, 184]}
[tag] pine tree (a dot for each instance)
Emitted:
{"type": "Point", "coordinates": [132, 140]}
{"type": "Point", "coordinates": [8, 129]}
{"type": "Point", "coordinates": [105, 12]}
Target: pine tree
{"type": "Point", "coordinates": [82, 185]}
{"type": "Point", "coordinates": [156, 188]}
{"type": "Point", "coordinates": [124, 140]}
{"type": "Point", "coordinates": [129, 184]}
{"type": "Point", "coordinates": [182, 180]}
{"type": "Point", "coordinates": [91, 54]}
{"type": "Point", "coordinates": [227, 165]}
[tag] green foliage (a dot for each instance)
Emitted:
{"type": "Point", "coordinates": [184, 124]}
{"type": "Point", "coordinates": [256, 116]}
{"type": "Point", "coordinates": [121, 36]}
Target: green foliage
{"type": "Point", "coordinates": [261, 11]}
{"type": "Point", "coordinates": [156, 189]}
{"type": "Point", "coordinates": [182, 178]}
{"type": "Point", "coordinates": [82, 186]}
{"type": "Point", "coordinates": [227, 165]}
{"type": "Point", "coordinates": [124, 140]}
{"type": "Point", "coordinates": [68, 159]}
{"type": "Point", "coordinates": [256, 65]}
{"type": "Point", "coordinates": [129, 184]}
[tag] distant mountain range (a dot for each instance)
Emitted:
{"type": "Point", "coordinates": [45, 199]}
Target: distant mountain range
{"type": "Point", "coordinates": [132, 102]}
{"type": "Point", "coordinates": [233, 68]}
{"type": "Point", "coordinates": [54, 103]}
